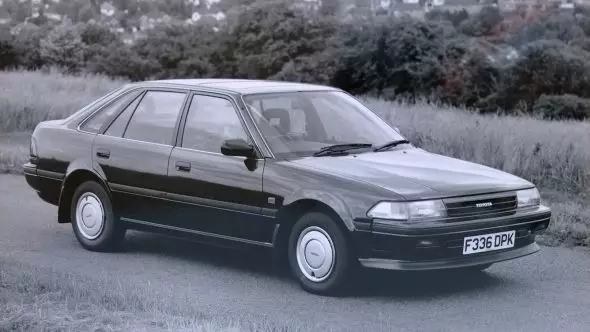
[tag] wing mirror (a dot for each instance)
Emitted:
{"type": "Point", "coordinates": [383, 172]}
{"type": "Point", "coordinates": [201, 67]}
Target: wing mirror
{"type": "Point", "coordinates": [237, 147]}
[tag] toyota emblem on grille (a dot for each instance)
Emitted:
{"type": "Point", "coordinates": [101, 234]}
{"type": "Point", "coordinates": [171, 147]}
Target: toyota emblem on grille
{"type": "Point", "coordinates": [481, 205]}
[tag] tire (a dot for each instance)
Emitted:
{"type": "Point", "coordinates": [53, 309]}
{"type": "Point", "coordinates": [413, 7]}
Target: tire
{"type": "Point", "coordinates": [93, 220]}
{"type": "Point", "coordinates": [324, 265]}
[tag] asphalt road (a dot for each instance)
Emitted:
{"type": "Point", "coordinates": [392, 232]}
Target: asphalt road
{"type": "Point", "coordinates": [548, 291]}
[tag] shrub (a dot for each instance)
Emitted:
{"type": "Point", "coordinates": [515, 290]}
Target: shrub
{"type": "Point", "coordinates": [402, 57]}
{"type": "Point", "coordinates": [63, 47]}
{"type": "Point", "coordinates": [8, 52]}
{"type": "Point", "coordinates": [545, 67]}
{"type": "Point", "coordinates": [268, 35]}
{"type": "Point", "coordinates": [562, 107]}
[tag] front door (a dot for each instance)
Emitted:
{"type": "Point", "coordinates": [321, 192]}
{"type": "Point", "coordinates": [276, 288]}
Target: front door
{"type": "Point", "coordinates": [221, 196]}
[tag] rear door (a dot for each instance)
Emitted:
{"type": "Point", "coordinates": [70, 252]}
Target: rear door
{"type": "Point", "coordinates": [218, 195]}
{"type": "Point", "coordinates": [133, 153]}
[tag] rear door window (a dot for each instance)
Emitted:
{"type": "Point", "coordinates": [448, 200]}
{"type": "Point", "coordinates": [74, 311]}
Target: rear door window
{"type": "Point", "coordinates": [156, 116]}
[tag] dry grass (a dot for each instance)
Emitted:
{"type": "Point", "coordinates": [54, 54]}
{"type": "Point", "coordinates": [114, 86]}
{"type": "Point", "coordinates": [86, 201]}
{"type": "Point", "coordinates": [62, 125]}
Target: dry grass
{"type": "Point", "coordinates": [36, 299]}
{"type": "Point", "coordinates": [26, 98]}
{"type": "Point", "coordinates": [553, 155]}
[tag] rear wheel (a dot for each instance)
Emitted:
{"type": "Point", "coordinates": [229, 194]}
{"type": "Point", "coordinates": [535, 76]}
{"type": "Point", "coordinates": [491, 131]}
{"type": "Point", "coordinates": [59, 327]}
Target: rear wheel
{"type": "Point", "coordinates": [93, 220]}
{"type": "Point", "coordinates": [319, 255]}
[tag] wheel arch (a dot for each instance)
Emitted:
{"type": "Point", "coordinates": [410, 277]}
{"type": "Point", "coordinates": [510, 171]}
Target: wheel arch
{"type": "Point", "coordinates": [74, 177]}
{"type": "Point", "coordinates": [290, 213]}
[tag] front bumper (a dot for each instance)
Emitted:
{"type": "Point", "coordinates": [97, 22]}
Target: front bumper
{"type": "Point", "coordinates": [440, 246]}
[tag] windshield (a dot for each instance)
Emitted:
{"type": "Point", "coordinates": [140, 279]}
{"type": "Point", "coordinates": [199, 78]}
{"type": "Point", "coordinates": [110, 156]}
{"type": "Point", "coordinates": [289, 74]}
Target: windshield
{"type": "Point", "coordinates": [301, 123]}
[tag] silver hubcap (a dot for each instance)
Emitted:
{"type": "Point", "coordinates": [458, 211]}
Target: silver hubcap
{"type": "Point", "coordinates": [315, 254]}
{"type": "Point", "coordinates": [89, 216]}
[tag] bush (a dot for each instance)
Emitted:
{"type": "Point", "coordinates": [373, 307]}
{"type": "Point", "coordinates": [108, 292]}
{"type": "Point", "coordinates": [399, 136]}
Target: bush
{"type": "Point", "coordinates": [63, 47]}
{"type": "Point", "coordinates": [266, 36]}
{"type": "Point", "coordinates": [545, 67]}
{"type": "Point", "coordinates": [8, 53]}
{"type": "Point", "coordinates": [562, 107]}
{"type": "Point", "coordinates": [396, 57]}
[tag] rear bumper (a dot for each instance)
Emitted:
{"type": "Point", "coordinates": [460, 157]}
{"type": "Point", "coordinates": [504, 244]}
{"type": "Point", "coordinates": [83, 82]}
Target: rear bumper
{"type": "Point", "coordinates": [46, 184]}
{"type": "Point", "coordinates": [441, 246]}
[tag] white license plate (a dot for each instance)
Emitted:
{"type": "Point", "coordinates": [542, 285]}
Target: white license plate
{"type": "Point", "coordinates": [488, 242]}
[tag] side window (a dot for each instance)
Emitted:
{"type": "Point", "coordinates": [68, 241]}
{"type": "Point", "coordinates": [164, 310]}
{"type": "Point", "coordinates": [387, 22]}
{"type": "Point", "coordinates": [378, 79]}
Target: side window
{"type": "Point", "coordinates": [210, 121]}
{"type": "Point", "coordinates": [117, 128]}
{"type": "Point", "coordinates": [95, 123]}
{"type": "Point", "coordinates": [155, 118]}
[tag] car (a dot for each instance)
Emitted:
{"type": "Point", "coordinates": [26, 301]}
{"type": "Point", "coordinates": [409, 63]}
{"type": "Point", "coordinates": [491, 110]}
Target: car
{"type": "Point", "coordinates": [306, 171]}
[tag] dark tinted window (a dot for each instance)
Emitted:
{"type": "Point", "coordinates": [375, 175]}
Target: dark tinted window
{"type": "Point", "coordinates": [96, 122]}
{"type": "Point", "coordinates": [210, 121]}
{"type": "Point", "coordinates": [155, 117]}
{"type": "Point", "coordinates": [117, 128]}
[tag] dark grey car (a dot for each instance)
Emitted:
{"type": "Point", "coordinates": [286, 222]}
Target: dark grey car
{"type": "Point", "coordinates": [305, 170]}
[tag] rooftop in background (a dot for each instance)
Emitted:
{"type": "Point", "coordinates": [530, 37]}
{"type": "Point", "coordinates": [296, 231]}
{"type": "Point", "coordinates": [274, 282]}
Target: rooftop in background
{"type": "Point", "coordinates": [243, 86]}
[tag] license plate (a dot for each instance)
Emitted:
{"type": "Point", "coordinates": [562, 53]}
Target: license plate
{"type": "Point", "coordinates": [488, 242]}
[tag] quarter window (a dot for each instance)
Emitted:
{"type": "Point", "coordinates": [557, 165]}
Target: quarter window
{"type": "Point", "coordinates": [95, 123]}
{"type": "Point", "coordinates": [210, 121]}
{"type": "Point", "coordinates": [155, 118]}
{"type": "Point", "coordinates": [117, 128]}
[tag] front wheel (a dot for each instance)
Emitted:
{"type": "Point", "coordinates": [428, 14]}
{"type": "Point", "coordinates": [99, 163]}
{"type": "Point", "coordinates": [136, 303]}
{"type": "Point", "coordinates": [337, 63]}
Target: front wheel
{"type": "Point", "coordinates": [93, 220]}
{"type": "Point", "coordinates": [319, 255]}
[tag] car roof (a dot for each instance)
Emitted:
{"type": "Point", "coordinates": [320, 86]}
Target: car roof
{"type": "Point", "coordinates": [240, 86]}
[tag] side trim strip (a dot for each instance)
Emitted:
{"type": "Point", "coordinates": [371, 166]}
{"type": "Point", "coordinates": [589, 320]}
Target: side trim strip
{"type": "Point", "coordinates": [208, 203]}
{"type": "Point", "coordinates": [185, 230]}
{"type": "Point", "coordinates": [50, 175]}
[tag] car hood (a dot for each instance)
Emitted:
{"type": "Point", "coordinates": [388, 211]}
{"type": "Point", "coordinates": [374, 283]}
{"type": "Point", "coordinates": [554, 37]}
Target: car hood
{"type": "Point", "coordinates": [417, 174]}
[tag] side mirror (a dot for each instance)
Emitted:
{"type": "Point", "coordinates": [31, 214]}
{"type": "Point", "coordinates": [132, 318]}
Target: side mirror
{"type": "Point", "coordinates": [237, 147]}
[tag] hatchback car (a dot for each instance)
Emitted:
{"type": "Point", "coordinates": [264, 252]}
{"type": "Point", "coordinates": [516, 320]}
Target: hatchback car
{"type": "Point", "coordinates": [305, 170]}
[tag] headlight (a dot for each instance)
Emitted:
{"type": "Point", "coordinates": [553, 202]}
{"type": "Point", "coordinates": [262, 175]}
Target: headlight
{"type": "Point", "coordinates": [529, 197]}
{"type": "Point", "coordinates": [405, 211]}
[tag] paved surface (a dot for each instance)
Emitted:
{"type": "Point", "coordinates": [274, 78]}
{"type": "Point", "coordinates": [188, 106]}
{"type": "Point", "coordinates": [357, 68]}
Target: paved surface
{"type": "Point", "coordinates": [549, 291]}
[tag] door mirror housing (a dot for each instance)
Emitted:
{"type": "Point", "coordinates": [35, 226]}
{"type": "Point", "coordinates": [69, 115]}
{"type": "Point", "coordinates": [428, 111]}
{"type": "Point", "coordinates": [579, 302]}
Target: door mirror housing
{"type": "Point", "coordinates": [237, 147]}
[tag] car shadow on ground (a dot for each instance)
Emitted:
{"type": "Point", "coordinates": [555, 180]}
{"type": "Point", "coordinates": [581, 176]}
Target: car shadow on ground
{"type": "Point", "coordinates": [368, 283]}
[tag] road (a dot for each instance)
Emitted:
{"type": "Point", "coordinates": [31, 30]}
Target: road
{"type": "Point", "coordinates": [548, 291]}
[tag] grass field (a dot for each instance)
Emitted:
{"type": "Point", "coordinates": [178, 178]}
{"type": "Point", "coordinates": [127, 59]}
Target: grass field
{"type": "Point", "coordinates": [553, 155]}
{"type": "Point", "coordinates": [37, 299]}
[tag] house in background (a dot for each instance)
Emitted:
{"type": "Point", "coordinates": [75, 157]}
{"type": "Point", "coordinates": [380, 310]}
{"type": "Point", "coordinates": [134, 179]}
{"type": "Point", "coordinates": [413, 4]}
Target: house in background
{"type": "Point", "coordinates": [4, 16]}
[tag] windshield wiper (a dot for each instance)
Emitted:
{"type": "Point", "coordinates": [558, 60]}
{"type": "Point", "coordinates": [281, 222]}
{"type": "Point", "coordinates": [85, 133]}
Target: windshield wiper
{"type": "Point", "coordinates": [340, 149]}
{"type": "Point", "coordinates": [390, 145]}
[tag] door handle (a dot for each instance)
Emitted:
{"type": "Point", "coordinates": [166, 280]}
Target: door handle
{"type": "Point", "coordinates": [103, 153]}
{"type": "Point", "coordinates": [183, 166]}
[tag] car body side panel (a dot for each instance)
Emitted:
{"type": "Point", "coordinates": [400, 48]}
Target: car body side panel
{"type": "Point", "coordinates": [288, 183]}
{"type": "Point", "coordinates": [219, 194]}
{"type": "Point", "coordinates": [136, 173]}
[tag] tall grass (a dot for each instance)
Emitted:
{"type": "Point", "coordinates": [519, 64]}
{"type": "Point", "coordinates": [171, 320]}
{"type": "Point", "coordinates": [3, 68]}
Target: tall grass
{"type": "Point", "coordinates": [550, 154]}
{"type": "Point", "coordinates": [26, 98]}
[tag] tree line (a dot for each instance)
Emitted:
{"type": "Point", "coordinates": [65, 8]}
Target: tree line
{"type": "Point", "coordinates": [490, 61]}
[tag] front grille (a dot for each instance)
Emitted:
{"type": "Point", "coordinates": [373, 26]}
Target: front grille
{"type": "Point", "coordinates": [486, 206]}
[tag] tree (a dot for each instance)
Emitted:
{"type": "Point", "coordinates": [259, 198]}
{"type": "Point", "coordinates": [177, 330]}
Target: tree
{"type": "Point", "coordinates": [63, 47]}
{"type": "Point", "coordinates": [330, 7]}
{"type": "Point", "coordinates": [402, 56]}
{"type": "Point", "coordinates": [268, 35]}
